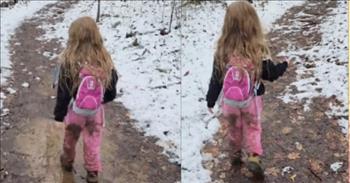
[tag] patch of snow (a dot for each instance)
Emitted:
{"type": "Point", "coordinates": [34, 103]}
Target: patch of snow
{"type": "Point", "coordinates": [287, 170]}
{"type": "Point", "coordinates": [4, 112]}
{"type": "Point", "coordinates": [11, 91]}
{"type": "Point", "coordinates": [2, 95]}
{"type": "Point", "coordinates": [330, 74]}
{"type": "Point", "coordinates": [49, 55]}
{"type": "Point", "coordinates": [336, 166]}
{"type": "Point", "coordinates": [11, 18]}
{"type": "Point", "coordinates": [25, 85]}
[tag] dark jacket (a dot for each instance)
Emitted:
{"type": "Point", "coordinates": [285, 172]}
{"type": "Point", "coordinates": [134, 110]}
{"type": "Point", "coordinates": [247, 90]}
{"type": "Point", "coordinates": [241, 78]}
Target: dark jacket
{"type": "Point", "coordinates": [64, 97]}
{"type": "Point", "coordinates": [270, 72]}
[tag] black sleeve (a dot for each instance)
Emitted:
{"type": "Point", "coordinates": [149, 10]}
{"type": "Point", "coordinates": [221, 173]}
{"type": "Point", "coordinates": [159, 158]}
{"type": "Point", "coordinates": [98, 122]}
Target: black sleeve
{"type": "Point", "coordinates": [111, 91]}
{"type": "Point", "coordinates": [271, 71]}
{"type": "Point", "coordinates": [63, 97]}
{"type": "Point", "coordinates": [215, 87]}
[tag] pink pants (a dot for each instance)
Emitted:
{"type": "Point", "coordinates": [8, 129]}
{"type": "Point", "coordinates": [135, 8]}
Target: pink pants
{"type": "Point", "coordinates": [91, 127]}
{"type": "Point", "coordinates": [245, 126]}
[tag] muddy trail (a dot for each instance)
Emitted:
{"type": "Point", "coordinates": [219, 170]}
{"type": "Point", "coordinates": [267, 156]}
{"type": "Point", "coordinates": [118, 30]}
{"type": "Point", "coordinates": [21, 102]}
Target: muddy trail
{"type": "Point", "coordinates": [298, 146]}
{"type": "Point", "coordinates": [31, 141]}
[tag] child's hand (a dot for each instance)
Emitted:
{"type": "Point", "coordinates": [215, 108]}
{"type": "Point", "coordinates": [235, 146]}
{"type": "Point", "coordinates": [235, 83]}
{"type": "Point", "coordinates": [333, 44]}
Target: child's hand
{"type": "Point", "coordinates": [210, 110]}
{"type": "Point", "coordinates": [287, 60]}
{"type": "Point", "coordinates": [282, 59]}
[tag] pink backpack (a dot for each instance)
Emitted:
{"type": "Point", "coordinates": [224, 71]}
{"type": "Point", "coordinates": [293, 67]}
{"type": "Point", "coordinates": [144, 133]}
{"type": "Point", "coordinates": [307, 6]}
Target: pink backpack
{"type": "Point", "coordinates": [238, 87]}
{"type": "Point", "coordinates": [89, 96]}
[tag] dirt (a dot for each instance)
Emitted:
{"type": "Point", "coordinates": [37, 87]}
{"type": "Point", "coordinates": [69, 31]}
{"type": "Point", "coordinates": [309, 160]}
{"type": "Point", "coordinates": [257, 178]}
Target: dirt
{"type": "Point", "coordinates": [309, 142]}
{"type": "Point", "coordinates": [31, 141]}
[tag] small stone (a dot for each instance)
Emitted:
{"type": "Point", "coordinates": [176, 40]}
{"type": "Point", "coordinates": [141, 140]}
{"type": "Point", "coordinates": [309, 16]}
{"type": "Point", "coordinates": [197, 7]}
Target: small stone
{"type": "Point", "coordinates": [299, 146]}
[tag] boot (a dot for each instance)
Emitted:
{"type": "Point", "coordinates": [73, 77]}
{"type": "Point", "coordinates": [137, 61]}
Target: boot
{"type": "Point", "coordinates": [92, 177]}
{"type": "Point", "coordinates": [67, 166]}
{"type": "Point", "coordinates": [254, 166]}
{"type": "Point", "coordinates": [236, 159]}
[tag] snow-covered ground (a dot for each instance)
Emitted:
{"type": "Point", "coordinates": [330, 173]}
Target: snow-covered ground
{"type": "Point", "coordinates": [11, 18]}
{"type": "Point", "coordinates": [330, 74]}
{"type": "Point", "coordinates": [201, 28]}
{"type": "Point", "coordinates": [149, 71]}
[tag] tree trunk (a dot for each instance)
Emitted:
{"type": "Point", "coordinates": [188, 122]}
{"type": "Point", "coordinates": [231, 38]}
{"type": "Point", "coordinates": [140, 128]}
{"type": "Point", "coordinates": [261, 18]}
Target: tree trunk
{"type": "Point", "coordinates": [171, 16]}
{"type": "Point", "coordinates": [98, 10]}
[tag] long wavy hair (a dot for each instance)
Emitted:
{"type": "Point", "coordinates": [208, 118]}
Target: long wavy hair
{"type": "Point", "coordinates": [85, 49]}
{"type": "Point", "coordinates": [242, 36]}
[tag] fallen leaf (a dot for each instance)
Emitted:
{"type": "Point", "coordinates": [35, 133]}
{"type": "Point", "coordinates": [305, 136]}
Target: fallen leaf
{"type": "Point", "coordinates": [214, 151]}
{"type": "Point", "coordinates": [286, 130]}
{"type": "Point", "coordinates": [293, 156]}
{"type": "Point", "coordinates": [272, 171]}
{"type": "Point", "coordinates": [316, 166]}
{"type": "Point", "coordinates": [299, 146]}
{"type": "Point", "coordinates": [246, 172]}
{"type": "Point", "coordinates": [293, 177]}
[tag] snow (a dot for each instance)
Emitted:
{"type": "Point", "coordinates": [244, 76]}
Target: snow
{"type": "Point", "coordinates": [11, 18]}
{"type": "Point", "coordinates": [150, 72]}
{"type": "Point", "coordinates": [331, 67]}
{"type": "Point", "coordinates": [25, 85]}
{"type": "Point", "coordinates": [336, 166]}
{"type": "Point", "coordinates": [198, 46]}
{"type": "Point", "coordinates": [4, 112]}
{"type": "Point", "coordinates": [11, 90]}
{"type": "Point", "coordinates": [287, 170]}
{"type": "Point", "coordinates": [2, 95]}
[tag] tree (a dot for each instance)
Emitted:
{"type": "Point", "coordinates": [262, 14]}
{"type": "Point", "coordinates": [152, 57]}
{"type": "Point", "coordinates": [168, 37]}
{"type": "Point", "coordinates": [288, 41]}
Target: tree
{"type": "Point", "coordinates": [98, 10]}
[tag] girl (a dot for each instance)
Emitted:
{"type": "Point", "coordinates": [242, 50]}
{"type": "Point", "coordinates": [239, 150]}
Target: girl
{"type": "Point", "coordinates": [242, 46]}
{"type": "Point", "coordinates": [84, 56]}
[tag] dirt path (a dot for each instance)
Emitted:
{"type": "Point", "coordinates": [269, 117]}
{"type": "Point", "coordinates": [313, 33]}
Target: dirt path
{"type": "Point", "coordinates": [31, 141]}
{"type": "Point", "coordinates": [308, 142]}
